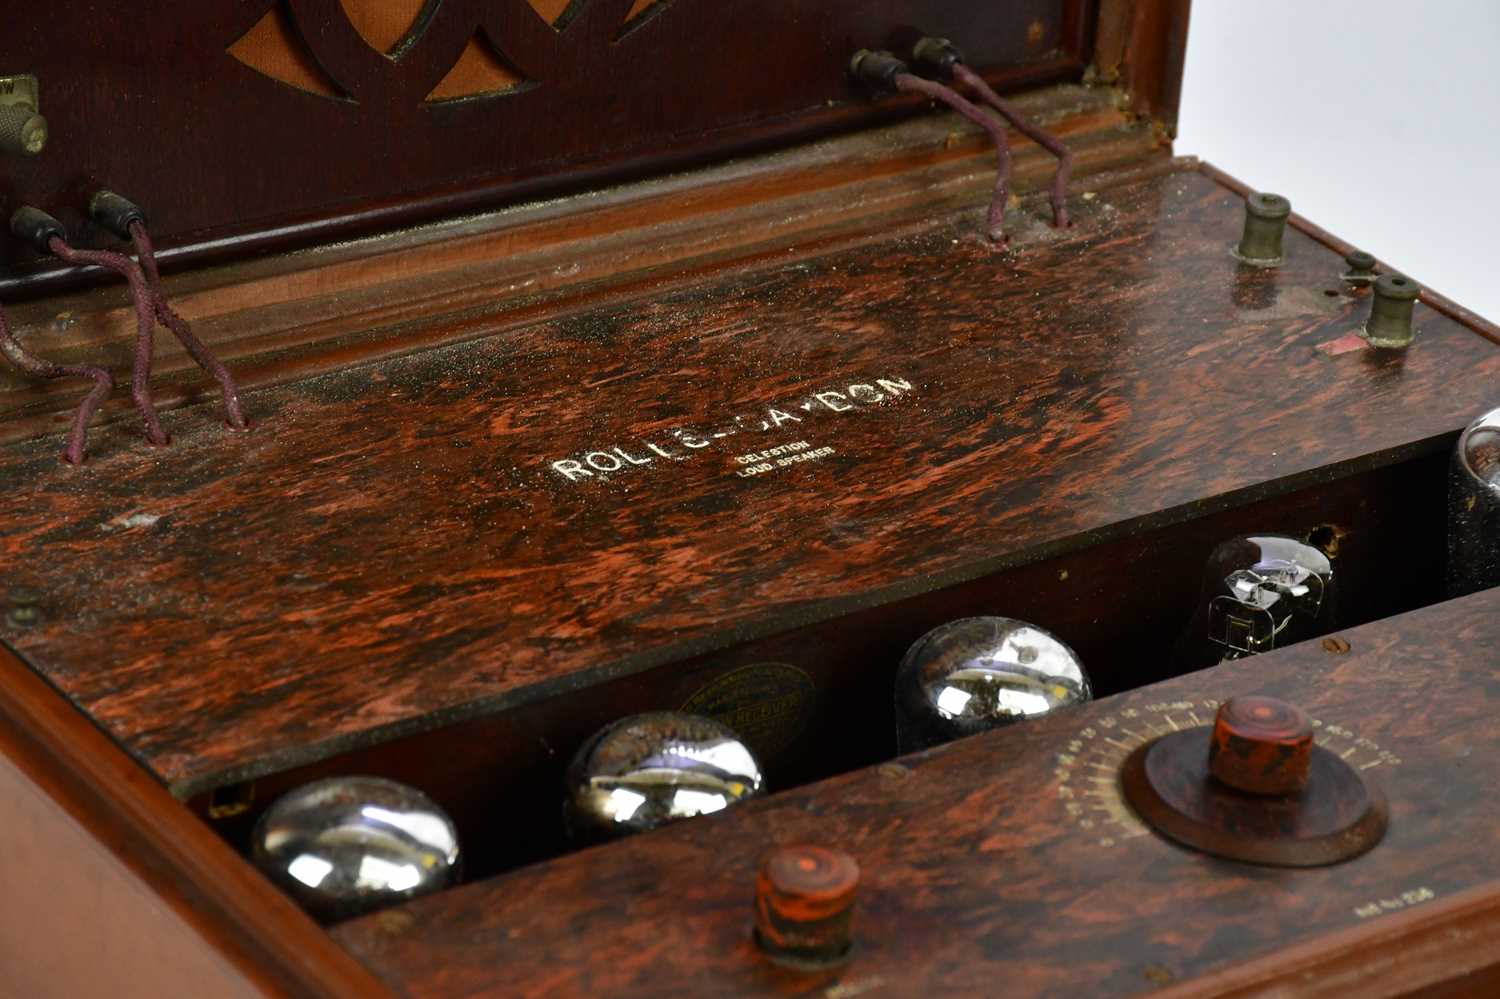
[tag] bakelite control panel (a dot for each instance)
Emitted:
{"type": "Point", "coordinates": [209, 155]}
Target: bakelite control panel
{"type": "Point", "coordinates": [1014, 857]}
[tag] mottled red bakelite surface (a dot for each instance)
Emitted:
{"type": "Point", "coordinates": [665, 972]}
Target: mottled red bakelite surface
{"type": "Point", "coordinates": [395, 548]}
{"type": "Point", "coordinates": [997, 865]}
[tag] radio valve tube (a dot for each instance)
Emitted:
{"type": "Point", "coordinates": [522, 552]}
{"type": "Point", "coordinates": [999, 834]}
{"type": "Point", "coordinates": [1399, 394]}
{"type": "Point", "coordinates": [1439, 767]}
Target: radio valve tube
{"type": "Point", "coordinates": [1474, 508]}
{"type": "Point", "coordinates": [979, 673]}
{"type": "Point", "coordinates": [647, 770]}
{"type": "Point", "coordinates": [349, 845]}
{"type": "Point", "coordinates": [1259, 593]}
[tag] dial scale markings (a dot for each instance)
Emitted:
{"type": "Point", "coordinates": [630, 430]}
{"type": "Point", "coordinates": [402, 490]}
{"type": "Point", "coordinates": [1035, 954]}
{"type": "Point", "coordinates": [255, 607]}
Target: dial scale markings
{"type": "Point", "coordinates": [1087, 772]}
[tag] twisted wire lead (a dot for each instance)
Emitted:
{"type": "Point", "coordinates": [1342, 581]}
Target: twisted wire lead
{"type": "Point", "coordinates": [169, 318]}
{"type": "Point", "coordinates": [145, 315]}
{"type": "Point", "coordinates": [997, 133]}
{"type": "Point", "coordinates": [28, 362]}
{"type": "Point", "coordinates": [1040, 136]}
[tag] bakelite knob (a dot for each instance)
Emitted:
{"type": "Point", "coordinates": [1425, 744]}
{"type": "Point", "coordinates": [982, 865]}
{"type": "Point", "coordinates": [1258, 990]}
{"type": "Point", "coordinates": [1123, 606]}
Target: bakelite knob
{"type": "Point", "coordinates": [804, 904]}
{"type": "Point", "coordinates": [1261, 745]}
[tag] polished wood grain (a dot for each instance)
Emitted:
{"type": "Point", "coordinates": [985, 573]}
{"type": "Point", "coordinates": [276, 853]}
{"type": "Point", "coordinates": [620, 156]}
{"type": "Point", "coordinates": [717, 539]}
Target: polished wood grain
{"type": "Point", "coordinates": [285, 317]}
{"type": "Point", "coordinates": [394, 548]}
{"type": "Point", "coordinates": [974, 872]}
{"type": "Point", "coordinates": [111, 887]}
{"type": "Point", "coordinates": [499, 774]}
{"type": "Point", "coordinates": [227, 157]}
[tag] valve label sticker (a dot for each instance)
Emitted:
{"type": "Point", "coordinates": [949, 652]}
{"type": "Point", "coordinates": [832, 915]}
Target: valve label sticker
{"type": "Point", "coordinates": [610, 460]}
{"type": "Point", "coordinates": [767, 704]}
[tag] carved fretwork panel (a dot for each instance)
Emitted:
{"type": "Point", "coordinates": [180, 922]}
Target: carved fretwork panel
{"type": "Point", "coordinates": [258, 122]}
{"type": "Point", "coordinates": [276, 47]}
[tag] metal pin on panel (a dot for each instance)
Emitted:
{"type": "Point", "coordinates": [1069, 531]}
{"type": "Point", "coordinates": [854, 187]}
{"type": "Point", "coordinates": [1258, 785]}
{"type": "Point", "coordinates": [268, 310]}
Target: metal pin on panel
{"type": "Point", "coordinates": [1265, 225]}
{"type": "Point", "coordinates": [1391, 310]}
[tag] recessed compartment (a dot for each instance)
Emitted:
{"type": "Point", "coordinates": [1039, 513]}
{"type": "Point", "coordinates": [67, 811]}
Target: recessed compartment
{"type": "Point", "coordinates": [817, 700]}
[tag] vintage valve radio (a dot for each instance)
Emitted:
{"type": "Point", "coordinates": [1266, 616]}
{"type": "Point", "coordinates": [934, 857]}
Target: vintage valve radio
{"type": "Point", "coordinates": [699, 497]}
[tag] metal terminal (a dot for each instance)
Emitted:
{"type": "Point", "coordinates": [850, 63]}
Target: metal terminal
{"type": "Point", "coordinates": [878, 69]}
{"type": "Point", "coordinates": [24, 610]}
{"type": "Point", "coordinates": [1391, 310]}
{"type": "Point", "coordinates": [1265, 224]}
{"type": "Point", "coordinates": [23, 131]}
{"type": "Point", "coordinates": [115, 213]}
{"type": "Point", "coordinates": [937, 55]}
{"type": "Point", "coordinates": [1361, 270]}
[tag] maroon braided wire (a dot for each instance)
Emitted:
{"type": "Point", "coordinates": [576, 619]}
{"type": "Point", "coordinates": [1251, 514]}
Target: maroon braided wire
{"type": "Point", "coordinates": [1040, 136]}
{"type": "Point", "coordinates": [144, 302]}
{"type": "Point", "coordinates": [997, 133]}
{"type": "Point", "coordinates": [28, 362]}
{"type": "Point", "coordinates": [169, 318]}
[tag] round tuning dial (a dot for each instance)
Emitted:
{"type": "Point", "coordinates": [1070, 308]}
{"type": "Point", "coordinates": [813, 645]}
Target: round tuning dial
{"type": "Point", "coordinates": [1261, 746]}
{"type": "Point", "coordinates": [1253, 787]}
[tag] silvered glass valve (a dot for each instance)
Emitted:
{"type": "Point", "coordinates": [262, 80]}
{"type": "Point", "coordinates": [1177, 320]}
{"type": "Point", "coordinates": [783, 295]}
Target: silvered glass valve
{"type": "Point", "coordinates": [1259, 593]}
{"type": "Point", "coordinates": [1474, 508]}
{"type": "Point", "coordinates": [349, 845]}
{"type": "Point", "coordinates": [648, 770]}
{"type": "Point", "coordinates": [979, 673]}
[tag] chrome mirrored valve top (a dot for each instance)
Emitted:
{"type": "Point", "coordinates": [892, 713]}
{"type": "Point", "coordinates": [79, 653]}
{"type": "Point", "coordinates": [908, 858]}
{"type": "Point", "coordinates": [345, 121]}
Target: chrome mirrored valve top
{"type": "Point", "coordinates": [647, 770]}
{"type": "Point", "coordinates": [979, 673]}
{"type": "Point", "coordinates": [346, 846]}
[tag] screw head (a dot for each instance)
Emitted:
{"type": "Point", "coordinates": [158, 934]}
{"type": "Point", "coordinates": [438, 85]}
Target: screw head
{"type": "Point", "coordinates": [25, 616]}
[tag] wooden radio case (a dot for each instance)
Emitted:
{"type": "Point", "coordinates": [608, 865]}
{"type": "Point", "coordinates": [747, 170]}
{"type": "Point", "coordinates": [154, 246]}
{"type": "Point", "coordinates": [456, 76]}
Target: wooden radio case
{"type": "Point", "coordinates": [617, 356]}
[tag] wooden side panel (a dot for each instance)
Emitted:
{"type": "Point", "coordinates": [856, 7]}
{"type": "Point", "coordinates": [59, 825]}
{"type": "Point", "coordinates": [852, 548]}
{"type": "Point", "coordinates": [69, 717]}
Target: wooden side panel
{"type": "Point", "coordinates": [109, 887]}
{"type": "Point", "coordinates": [76, 922]}
{"type": "Point", "coordinates": [1011, 858]}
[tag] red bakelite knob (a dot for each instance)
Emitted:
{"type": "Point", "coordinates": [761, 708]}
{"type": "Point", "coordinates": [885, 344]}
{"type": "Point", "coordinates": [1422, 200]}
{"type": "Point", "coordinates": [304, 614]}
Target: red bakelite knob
{"type": "Point", "coordinates": [1261, 745]}
{"type": "Point", "coordinates": [804, 903]}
